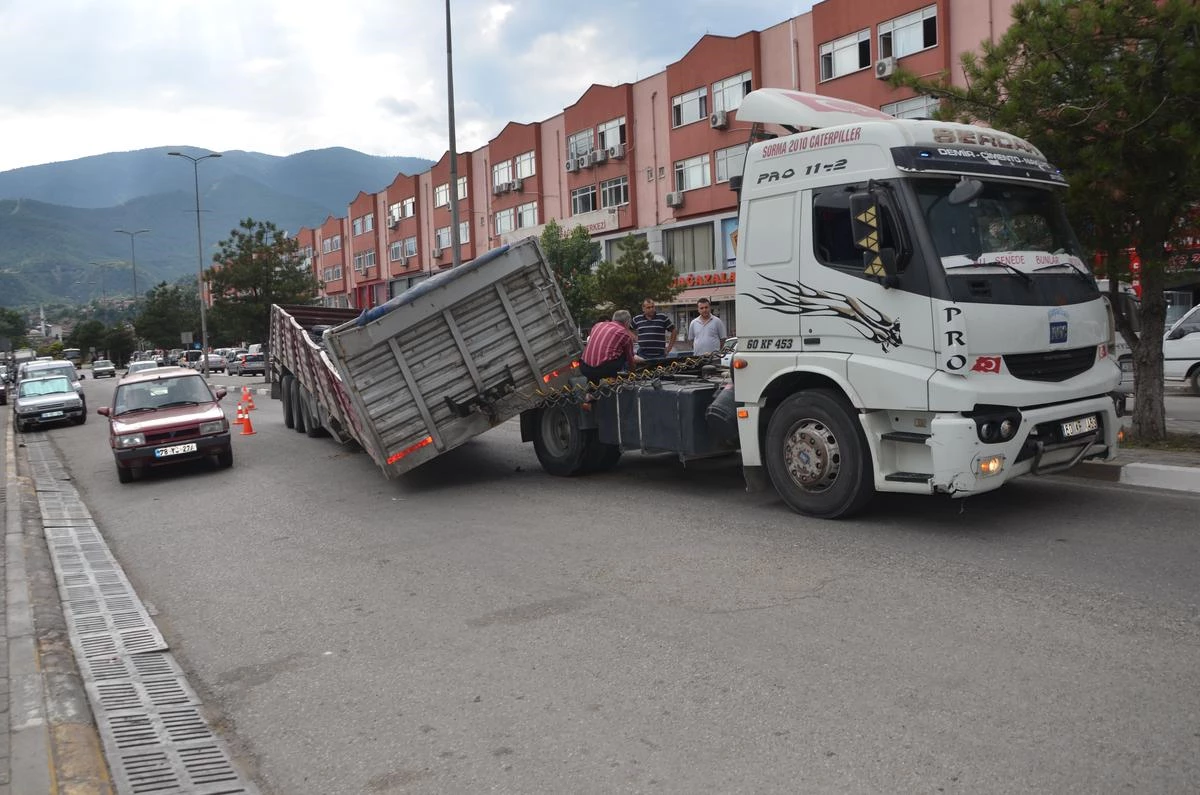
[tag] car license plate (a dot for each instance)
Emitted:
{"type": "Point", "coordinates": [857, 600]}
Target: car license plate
{"type": "Point", "coordinates": [1080, 426]}
{"type": "Point", "coordinates": [175, 449]}
{"type": "Point", "coordinates": [48, 414]}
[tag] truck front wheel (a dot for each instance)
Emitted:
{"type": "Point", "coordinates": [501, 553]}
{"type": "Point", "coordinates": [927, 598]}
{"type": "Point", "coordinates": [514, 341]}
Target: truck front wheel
{"type": "Point", "coordinates": [817, 457]}
{"type": "Point", "coordinates": [560, 444]}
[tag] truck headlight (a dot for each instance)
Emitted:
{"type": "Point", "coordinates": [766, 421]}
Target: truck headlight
{"type": "Point", "coordinates": [214, 426]}
{"type": "Point", "coordinates": [132, 440]}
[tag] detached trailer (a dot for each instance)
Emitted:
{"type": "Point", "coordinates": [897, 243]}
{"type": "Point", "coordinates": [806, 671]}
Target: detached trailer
{"type": "Point", "coordinates": [432, 368]}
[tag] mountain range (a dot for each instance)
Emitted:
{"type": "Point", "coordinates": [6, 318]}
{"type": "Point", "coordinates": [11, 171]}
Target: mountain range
{"type": "Point", "coordinates": [57, 221]}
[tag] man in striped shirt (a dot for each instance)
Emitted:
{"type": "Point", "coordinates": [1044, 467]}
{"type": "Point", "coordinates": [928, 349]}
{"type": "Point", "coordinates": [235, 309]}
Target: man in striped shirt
{"type": "Point", "coordinates": [656, 333]}
{"type": "Point", "coordinates": [609, 348]}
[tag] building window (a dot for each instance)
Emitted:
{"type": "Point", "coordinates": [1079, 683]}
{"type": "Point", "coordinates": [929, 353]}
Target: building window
{"type": "Point", "coordinates": [395, 211]}
{"type": "Point", "coordinates": [462, 188]}
{"type": "Point", "coordinates": [502, 173]}
{"type": "Point", "coordinates": [908, 34]}
{"type": "Point", "coordinates": [690, 249]}
{"type": "Point", "coordinates": [583, 200]}
{"type": "Point", "coordinates": [410, 246]}
{"type": "Point", "coordinates": [730, 162]}
{"type": "Point", "coordinates": [359, 262]}
{"type": "Point", "coordinates": [443, 237]}
{"type": "Point", "coordinates": [692, 173]}
{"type": "Point", "coordinates": [506, 221]}
{"type": "Point", "coordinates": [580, 144]}
{"type": "Point", "coordinates": [331, 244]}
{"type": "Point", "coordinates": [728, 93]}
{"type": "Point", "coordinates": [612, 133]}
{"type": "Point", "coordinates": [526, 167]}
{"type": "Point", "coordinates": [914, 108]}
{"type": "Point", "coordinates": [464, 232]}
{"type": "Point", "coordinates": [614, 192]}
{"type": "Point", "coordinates": [441, 195]}
{"type": "Point", "coordinates": [358, 226]}
{"type": "Point", "coordinates": [395, 251]}
{"type": "Point", "coordinates": [369, 222]}
{"type": "Point", "coordinates": [847, 54]}
{"type": "Point", "coordinates": [527, 215]}
{"type": "Point", "coordinates": [408, 207]}
{"type": "Point", "coordinates": [689, 107]}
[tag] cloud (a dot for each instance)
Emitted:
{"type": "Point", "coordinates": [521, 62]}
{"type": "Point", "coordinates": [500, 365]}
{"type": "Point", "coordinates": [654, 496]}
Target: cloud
{"type": "Point", "coordinates": [279, 77]}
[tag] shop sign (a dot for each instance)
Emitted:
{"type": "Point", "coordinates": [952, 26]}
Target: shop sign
{"type": "Point", "coordinates": [706, 279]}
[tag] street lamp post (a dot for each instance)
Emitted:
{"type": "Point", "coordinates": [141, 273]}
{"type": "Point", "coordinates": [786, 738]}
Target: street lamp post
{"type": "Point", "coordinates": [103, 291]}
{"type": "Point", "coordinates": [133, 260]}
{"type": "Point", "coordinates": [200, 256]}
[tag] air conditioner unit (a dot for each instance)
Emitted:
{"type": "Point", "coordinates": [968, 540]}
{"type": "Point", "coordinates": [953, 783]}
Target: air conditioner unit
{"type": "Point", "coordinates": [675, 199]}
{"type": "Point", "coordinates": [393, 222]}
{"type": "Point", "coordinates": [884, 68]}
{"type": "Point", "coordinates": [572, 164]}
{"type": "Point", "coordinates": [501, 188]}
{"type": "Point", "coordinates": [437, 252]}
{"type": "Point", "coordinates": [600, 156]}
{"type": "Point", "coordinates": [583, 161]}
{"type": "Point", "coordinates": [617, 152]}
{"type": "Point", "coordinates": [517, 184]}
{"type": "Point", "coordinates": [719, 120]}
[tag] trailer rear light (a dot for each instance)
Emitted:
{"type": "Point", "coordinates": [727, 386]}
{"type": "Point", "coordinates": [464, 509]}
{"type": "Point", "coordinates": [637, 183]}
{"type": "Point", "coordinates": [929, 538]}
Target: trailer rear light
{"type": "Point", "coordinates": [738, 364]}
{"type": "Point", "coordinates": [743, 414]}
{"type": "Point", "coordinates": [394, 457]}
{"type": "Point", "coordinates": [548, 376]}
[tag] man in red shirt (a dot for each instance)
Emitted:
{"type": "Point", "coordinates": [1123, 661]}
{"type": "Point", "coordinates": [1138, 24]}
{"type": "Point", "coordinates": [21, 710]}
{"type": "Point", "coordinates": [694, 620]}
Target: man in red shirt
{"type": "Point", "coordinates": [609, 348]}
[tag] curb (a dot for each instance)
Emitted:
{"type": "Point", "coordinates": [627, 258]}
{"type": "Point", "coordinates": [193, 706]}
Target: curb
{"type": "Point", "coordinates": [1143, 475]}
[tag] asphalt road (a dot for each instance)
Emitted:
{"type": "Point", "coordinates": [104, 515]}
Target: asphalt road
{"type": "Point", "coordinates": [480, 625]}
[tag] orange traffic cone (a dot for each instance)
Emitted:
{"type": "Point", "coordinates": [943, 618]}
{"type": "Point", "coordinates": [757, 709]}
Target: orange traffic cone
{"type": "Point", "coordinates": [247, 426]}
{"type": "Point", "coordinates": [248, 399]}
{"type": "Point", "coordinates": [240, 417]}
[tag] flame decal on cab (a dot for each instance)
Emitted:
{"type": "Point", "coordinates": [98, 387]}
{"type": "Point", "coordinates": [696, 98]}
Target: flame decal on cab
{"type": "Point", "coordinates": [800, 299]}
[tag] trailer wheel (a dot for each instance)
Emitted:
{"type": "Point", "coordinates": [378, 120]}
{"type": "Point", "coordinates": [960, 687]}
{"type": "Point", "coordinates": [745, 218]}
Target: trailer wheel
{"type": "Point", "coordinates": [817, 457]}
{"type": "Point", "coordinates": [560, 444]}
{"type": "Point", "coordinates": [297, 407]}
{"type": "Point", "coordinates": [312, 416]}
{"type": "Point", "coordinates": [285, 393]}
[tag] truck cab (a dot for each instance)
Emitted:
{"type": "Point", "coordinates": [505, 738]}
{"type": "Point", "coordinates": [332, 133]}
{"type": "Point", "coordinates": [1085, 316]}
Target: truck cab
{"type": "Point", "coordinates": [914, 312]}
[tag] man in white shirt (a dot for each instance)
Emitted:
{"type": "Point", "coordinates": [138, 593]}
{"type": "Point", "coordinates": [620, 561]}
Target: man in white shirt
{"type": "Point", "coordinates": [707, 332]}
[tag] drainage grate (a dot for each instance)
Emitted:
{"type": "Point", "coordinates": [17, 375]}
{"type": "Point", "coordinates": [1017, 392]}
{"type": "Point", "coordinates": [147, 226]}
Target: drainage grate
{"type": "Point", "coordinates": [155, 738]}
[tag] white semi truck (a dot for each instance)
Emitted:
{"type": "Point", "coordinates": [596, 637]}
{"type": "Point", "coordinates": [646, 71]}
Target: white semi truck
{"type": "Point", "coordinates": [914, 315]}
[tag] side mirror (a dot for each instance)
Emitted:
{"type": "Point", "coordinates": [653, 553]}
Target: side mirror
{"type": "Point", "coordinates": [221, 392]}
{"type": "Point", "coordinates": [965, 191]}
{"type": "Point", "coordinates": [103, 411]}
{"type": "Point", "coordinates": [866, 226]}
{"type": "Point", "coordinates": [1177, 334]}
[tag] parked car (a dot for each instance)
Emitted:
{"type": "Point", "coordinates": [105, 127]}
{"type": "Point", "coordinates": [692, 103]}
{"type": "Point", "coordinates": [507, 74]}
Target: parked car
{"type": "Point", "coordinates": [216, 363]}
{"type": "Point", "coordinates": [47, 400]}
{"type": "Point", "coordinates": [103, 368]}
{"type": "Point", "coordinates": [165, 416]}
{"type": "Point", "coordinates": [48, 367]}
{"type": "Point", "coordinates": [249, 364]}
{"type": "Point", "coordinates": [1181, 351]}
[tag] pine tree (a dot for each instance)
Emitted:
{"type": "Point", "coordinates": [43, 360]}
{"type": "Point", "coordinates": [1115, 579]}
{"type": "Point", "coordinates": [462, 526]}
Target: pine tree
{"type": "Point", "coordinates": [636, 275]}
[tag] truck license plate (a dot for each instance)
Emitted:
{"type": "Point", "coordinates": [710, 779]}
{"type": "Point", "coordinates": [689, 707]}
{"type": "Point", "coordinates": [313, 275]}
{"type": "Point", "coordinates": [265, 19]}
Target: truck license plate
{"type": "Point", "coordinates": [175, 449]}
{"type": "Point", "coordinates": [1080, 426]}
{"type": "Point", "coordinates": [48, 414]}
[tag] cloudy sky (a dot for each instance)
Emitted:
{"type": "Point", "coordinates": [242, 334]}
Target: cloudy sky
{"type": "Point", "coordinates": [83, 77]}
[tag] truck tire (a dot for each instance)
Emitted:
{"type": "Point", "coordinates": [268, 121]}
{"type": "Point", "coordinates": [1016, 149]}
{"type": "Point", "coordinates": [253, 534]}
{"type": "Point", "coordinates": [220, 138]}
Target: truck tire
{"type": "Point", "coordinates": [297, 408]}
{"type": "Point", "coordinates": [312, 416]}
{"type": "Point", "coordinates": [817, 457]}
{"type": "Point", "coordinates": [558, 441]}
{"type": "Point", "coordinates": [598, 456]}
{"type": "Point", "coordinates": [285, 394]}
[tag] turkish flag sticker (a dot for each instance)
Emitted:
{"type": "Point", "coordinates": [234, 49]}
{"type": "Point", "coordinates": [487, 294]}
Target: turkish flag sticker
{"type": "Point", "coordinates": [986, 364]}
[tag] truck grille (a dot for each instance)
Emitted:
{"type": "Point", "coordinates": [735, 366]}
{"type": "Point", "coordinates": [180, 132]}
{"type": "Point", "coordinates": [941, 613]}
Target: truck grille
{"type": "Point", "coordinates": [1050, 365]}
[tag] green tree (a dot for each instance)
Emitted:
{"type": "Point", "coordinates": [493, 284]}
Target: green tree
{"type": "Point", "coordinates": [87, 335]}
{"type": "Point", "coordinates": [1109, 90]}
{"type": "Point", "coordinates": [571, 256]}
{"type": "Point", "coordinates": [257, 266]}
{"type": "Point", "coordinates": [166, 311]}
{"type": "Point", "coordinates": [12, 327]}
{"type": "Point", "coordinates": [120, 343]}
{"type": "Point", "coordinates": [636, 275]}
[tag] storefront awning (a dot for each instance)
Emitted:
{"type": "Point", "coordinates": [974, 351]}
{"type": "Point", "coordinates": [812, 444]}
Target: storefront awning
{"type": "Point", "coordinates": [724, 292]}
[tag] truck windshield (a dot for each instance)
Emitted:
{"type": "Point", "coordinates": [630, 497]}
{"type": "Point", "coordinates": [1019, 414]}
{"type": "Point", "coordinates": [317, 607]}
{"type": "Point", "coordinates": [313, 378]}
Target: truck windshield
{"type": "Point", "coordinates": [1023, 226]}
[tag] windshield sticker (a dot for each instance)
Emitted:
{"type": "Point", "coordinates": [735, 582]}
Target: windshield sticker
{"type": "Point", "coordinates": [800, 299]}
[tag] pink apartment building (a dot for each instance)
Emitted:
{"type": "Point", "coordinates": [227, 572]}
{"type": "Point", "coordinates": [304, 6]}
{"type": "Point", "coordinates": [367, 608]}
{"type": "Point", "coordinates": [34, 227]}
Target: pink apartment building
{"type": "Point", "coordinates": [651, 158]}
